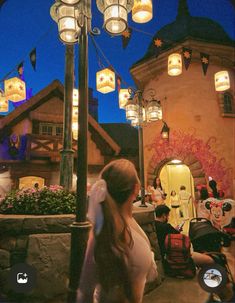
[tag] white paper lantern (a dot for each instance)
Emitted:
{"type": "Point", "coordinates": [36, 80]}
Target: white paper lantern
{"type": "Point", "coordinates": [75, 97]}
{"type": "Point", "coordinates": [222, 81]}
{"type": "Point", "coordinates": [105, 81]}
{"type": "Point", "coordinates": [15, 89]}
{"type": "Point", "coordinates": [3, 103]}
{"type": "Point", "coordinates": [142, 11]}
{"type": "Point", "coordinates": [174, 64]}
{"type": "Point", "coordinates": [124, 95]}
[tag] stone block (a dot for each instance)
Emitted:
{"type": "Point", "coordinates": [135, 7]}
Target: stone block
{"type": "Point", "coordinates": [7, 243]}
{"type": "Point", "coordinates": [59, 224]}
{"type": "Point", "coordinates": [33, 225]}
{"type": "Point", "coordinates": [21, 243]}
{"type": "Point", "coordinates": [11, 225]}
{"type": "Point", "coordinates": [197, 173]}
{"type": "Point", "coordinates": [4, 258]}
{"type": "Point", "coordinates": [144, 217]}
{"type": "Point", "coordinates": [195, 166]}
{"type": "Point", "coordinates": [4, 285]}
{"type": "Point", "coordinates": [18, 257]}
{"type": "Point", "coordinates": [49, 255]}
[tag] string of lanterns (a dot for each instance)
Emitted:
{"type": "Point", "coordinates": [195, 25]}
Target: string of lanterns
{"type": "Point", "coordinates": [115, 13]}
{"type": "Point", "coordinates": [222, 80]}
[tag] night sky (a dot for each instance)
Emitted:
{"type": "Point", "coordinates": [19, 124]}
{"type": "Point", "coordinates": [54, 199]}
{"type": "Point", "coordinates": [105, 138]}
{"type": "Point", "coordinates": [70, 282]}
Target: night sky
{"type": "Point", "coordinates": [26, 24]}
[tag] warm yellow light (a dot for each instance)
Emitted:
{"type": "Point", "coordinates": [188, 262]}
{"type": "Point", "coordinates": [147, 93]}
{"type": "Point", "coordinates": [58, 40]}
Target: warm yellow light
{"type": "Point", "coordinates": [75, 97]}
{"type": "Point", "coordinates": [222, 81]}
{"type": "Point", "coordinates": [75, 130]}
{"type": "Point", "coordinates": [67, 24]}
{"type": "Point", "coordinates": [115, 14]}
{"type": "Point", "coordinates": [124, 95]}
{"type": "Point", "coordinates": [70, 2]}
{"type": "Point", "coordinates": [174, 64]}
{"type": "Point", "coordinates": [142, 11]}
{"type": "Point", "coordinates": [105, 81]}
{"type": "Point", "coordinates": [3, 103]}
{"type": "Point", "coordinates": [132, 111]}
{"type": "Point", "coordinates": [15, 89]}
{"type": "Point", "coordinates": [75, 114]}
{"type": "Point", "coordinates": [153, 111]}
{"type": "Point", "coordinates": [176, 161]}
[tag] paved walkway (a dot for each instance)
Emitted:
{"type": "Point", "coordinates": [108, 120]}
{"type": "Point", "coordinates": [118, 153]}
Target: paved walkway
{"type": "Point", "coordinates": [173, 290]}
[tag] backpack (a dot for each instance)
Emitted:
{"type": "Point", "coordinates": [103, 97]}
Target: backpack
{"type": "Point", "coordinates": [178, 261]}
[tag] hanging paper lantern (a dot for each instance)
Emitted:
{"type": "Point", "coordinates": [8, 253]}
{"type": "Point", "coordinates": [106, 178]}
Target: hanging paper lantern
{"type": "Point", "coordinates": [15, 89]}
{"type": "Point", "coordinates": [75, 130]}
{"type": "Point", "coordinates": [3, 103]}
{"type": "Point", "coordinates": [174, 64]}
{"type": "Point", "coordinates": [222, 81]}
{"type": "Point", "coordinates": [75, 113]}
{"type": "Point", "coordinates": [142, 11]}
{"type": "Point", "coordinates": [115, 14]}
{"type": "Point", "coordinates": [105, 81]}
{"type": "Point", "coordinates": [75, 97]}
{"type": "Point", "coordinates": [124, 95]}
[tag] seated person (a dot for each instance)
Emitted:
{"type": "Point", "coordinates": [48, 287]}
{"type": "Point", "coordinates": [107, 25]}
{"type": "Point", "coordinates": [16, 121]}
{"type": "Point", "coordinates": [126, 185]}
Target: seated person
{"type": "Point", "coordinates": [163, 228]}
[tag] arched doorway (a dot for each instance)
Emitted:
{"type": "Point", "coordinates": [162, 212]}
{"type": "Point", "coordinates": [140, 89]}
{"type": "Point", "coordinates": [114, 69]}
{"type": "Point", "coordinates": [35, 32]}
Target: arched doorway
{"type": "Point", "coordinates": [173, 175]}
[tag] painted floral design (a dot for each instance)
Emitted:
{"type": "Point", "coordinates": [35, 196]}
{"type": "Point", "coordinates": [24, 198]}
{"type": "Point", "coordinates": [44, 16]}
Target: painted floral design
{"type": "Point", "coordinates": [182, 144]}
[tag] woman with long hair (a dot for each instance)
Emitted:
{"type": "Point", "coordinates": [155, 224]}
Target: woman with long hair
{"type": "Point", "coordinates": [118, 259]}
{"type": "Point", "coordinates": [158, 195]}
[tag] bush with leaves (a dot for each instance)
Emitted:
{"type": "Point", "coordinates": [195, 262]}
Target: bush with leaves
{"type": "Point", "coordinates": [46, 201]}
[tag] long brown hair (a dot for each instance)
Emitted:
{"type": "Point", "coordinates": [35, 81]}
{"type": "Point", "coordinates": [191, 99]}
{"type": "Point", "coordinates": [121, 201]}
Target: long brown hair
{"type": "Point", "coordinates": [114, 242]}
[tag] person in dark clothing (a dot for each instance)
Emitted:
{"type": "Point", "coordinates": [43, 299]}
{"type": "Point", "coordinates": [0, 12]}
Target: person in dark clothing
{"type": "Point", "coordinates": [163, 228]}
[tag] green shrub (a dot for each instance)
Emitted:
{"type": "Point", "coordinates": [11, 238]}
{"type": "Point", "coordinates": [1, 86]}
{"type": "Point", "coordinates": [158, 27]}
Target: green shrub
{"type": "Point", "coordinates": [46, 201]}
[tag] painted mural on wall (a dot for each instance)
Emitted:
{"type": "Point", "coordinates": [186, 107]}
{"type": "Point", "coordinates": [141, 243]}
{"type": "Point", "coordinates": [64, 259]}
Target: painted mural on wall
{"type": "Point", "coordinates": [182, 144]}
{"type": "Point", "coordinates": [219, 212]}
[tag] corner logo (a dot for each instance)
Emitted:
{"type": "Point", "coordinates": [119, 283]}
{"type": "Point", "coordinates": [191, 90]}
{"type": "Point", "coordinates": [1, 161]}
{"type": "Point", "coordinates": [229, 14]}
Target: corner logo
{"type": "Point", "coordinates": [22, 278]}
{"type": "Point", "coordinates": [212, 278]}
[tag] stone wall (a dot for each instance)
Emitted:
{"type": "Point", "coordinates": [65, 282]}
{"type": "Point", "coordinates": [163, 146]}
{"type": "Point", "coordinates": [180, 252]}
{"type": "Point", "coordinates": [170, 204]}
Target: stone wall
{"type": "Point", "coordinates": [44, 243]}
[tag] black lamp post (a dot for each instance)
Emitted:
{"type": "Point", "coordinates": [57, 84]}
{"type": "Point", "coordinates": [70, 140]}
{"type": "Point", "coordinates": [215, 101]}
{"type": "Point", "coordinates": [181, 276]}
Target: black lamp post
{"type": "Point", "coordinates": [74, 24]}
{"type": "Point", "coordinates": [140, 111]}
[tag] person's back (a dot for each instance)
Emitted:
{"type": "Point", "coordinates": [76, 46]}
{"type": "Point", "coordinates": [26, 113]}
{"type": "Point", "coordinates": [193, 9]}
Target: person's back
{"type": "Point", "coordinates": [118, 258]}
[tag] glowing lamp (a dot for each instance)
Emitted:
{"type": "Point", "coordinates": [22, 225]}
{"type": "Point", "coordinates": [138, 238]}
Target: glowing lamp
{"type": "Point", "coordinates": [75, 130]}
{"type": "Point", "coordinates": [165, 131]}
{"type": "Point", "coordinates": [105, 81]}
{"type": "Point", "coordinates": [15, 89]}
{"type": "Point", "coordinates": [75, 113]}
{"type": "Point", "coordinates": [3, 103]}
{"type": "Point", "coordinates": [75, 97]}
{"type": "Point", "coordinates": [140, 116]}
{"type": "Point", "coordinates": [124, 96]}
{"type": "Point", "coordinates": [222, 81]}
{"type": "Point", "coordinates": [132, 110]}
{"type": "Point", "coordinates": [153, 110]}
{"type": "Point", "coordinates": [174, 64]}
{"type": "Point", "coordinates": [115, 14]}
{"type": "Point", "coordinates": [67, 24]}
{"type": "Point", "coordinates": [142, 11]}
{"type": "Point", "coordinates": [70, 2]}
